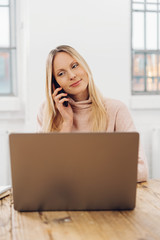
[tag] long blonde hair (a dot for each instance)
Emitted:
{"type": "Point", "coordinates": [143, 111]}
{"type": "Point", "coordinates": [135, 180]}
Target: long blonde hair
{"type": "Point", "coordinates": [52, 119]}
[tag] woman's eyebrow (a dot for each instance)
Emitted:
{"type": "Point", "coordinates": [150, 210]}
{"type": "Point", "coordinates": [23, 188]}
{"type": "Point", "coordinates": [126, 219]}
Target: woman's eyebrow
{"type": "Point", "coordinates": [73, 62]}
{"type": "Point", "coordinates": [61, 69]}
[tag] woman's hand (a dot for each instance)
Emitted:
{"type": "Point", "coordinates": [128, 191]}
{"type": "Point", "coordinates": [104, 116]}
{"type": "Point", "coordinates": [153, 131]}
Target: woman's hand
{"type": "Point", "coordinates": [66, 112]}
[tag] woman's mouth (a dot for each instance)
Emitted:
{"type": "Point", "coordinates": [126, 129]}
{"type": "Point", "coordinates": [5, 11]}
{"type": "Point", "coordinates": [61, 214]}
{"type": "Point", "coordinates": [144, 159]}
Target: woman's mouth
{"type": "Point", "coordinates": [76, 83]}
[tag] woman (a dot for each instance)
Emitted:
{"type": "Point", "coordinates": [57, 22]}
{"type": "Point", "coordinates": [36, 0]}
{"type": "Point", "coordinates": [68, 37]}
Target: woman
{"type": "Point", "coordinates": [80, 107]}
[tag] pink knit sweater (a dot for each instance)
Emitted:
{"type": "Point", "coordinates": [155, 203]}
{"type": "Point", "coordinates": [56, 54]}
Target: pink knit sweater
{"type": "Point", "coordinates": [120, 120]}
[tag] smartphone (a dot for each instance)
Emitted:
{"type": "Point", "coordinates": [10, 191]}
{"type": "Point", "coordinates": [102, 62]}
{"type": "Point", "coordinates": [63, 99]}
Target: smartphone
{"type": "Point", "coordinates": [61, 91]}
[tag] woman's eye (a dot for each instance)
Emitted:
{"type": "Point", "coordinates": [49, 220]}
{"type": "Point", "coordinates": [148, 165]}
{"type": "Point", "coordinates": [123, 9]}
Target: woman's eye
{"type": "Point", "coordinates": [60, 74]}
{"type": "Point", "coordinates": [75, 65]}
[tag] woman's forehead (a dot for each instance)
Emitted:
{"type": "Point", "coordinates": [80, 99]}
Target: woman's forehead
{"type": "Point", "coordinates": [62, 59]}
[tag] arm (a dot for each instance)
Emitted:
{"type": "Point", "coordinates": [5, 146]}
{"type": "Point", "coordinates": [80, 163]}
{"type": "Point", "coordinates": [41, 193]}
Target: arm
{"type": "Point", "coordinates": [66, 126]}
{"type": "Point", "coordinates": [40, 118]}
{"type": "Point", "coordinates": [124, 123]}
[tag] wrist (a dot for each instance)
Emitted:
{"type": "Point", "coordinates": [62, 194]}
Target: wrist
{"type": "Point", "coordinates": [66, 127]}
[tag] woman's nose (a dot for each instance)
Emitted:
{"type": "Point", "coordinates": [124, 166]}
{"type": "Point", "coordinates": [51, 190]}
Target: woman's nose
{"type": "Point", "coordinates": [72, 75]}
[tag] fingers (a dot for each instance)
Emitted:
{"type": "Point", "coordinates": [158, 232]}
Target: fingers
{"type": "Point", "coordinates": [55, 94]}
{"type": "Point", "coordinates": [57, 97]}
{"type": "Point", "coordinates": [63, 100]}
{"type": "Point", "coordinates": [56, 91]}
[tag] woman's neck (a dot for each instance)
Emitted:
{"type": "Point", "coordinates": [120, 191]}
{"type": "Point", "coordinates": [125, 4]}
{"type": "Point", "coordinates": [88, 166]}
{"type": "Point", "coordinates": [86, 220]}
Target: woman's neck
{"type": "Point", "coordinates": [80, 96]}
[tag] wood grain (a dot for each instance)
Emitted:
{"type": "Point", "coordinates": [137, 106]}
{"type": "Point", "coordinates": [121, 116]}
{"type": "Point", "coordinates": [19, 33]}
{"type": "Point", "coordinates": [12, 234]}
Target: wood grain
{"type": "Point", "coordinates": [5, 218]}
{"type": "Point", "coordinates": [142, 223]}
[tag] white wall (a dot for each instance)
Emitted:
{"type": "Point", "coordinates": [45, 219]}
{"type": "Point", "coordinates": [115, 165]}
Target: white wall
{"type": "Point", "coordinates": [99, 30]}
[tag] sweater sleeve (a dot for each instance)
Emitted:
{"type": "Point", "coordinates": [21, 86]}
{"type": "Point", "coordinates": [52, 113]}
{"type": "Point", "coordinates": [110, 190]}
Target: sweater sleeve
{"type": "Point", "coordinates": [124, 123]}
{"type": "Point", "coordinates": [40, 117]}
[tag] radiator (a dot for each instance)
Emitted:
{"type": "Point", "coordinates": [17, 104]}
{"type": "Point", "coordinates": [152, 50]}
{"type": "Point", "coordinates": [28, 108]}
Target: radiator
{"type": "Point", "coordinates": [4, 159]}
{"type": "Point", "coordinates": [155, 153]}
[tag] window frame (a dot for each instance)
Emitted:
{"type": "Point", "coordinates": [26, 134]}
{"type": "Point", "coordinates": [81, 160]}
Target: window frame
{"type": "Point", "coordinates": [13, 106]}
{"type": "Point", "coordinates": [11, 48]}
{"type": "Point", "coordinates": [143, 100]}
{"type": "Point", "coordinates": [145, 51]}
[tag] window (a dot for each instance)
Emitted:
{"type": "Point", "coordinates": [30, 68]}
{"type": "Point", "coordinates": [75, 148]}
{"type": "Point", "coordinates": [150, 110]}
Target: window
{"type": "Point", "coordinates": [145, 47]}
{"type": "Point", "coordinates": [7, 48]}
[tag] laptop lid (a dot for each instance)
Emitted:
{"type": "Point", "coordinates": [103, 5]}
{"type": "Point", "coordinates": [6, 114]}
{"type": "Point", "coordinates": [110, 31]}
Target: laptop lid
{"type": "Point", "coordinates": [74, 171]}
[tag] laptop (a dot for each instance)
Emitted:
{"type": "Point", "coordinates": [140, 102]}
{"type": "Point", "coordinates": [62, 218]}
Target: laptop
{"type": "Point", "coordinates": [74, 171]}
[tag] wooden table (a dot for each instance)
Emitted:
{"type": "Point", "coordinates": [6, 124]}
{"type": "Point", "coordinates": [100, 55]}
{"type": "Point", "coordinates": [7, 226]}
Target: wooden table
{"type": "Point", "coordinates": [142, 223]}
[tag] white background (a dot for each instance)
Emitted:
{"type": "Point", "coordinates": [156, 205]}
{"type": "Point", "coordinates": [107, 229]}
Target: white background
{"type": "Point", "coordinates": [100, 31]}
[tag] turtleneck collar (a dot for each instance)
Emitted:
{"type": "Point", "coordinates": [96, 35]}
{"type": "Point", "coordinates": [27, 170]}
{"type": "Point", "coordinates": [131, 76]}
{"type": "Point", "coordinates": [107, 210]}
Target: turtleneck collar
{"type": "Point", "coordinates": [80, 104]}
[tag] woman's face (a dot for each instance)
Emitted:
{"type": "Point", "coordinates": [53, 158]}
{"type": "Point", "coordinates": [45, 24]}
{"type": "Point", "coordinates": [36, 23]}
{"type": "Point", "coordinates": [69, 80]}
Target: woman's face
{"type": "Point", "coordinates": [67, 71]}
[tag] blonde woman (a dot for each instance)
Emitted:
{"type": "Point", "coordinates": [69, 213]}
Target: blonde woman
{"type": "Point", "coordinates": [74, 104]}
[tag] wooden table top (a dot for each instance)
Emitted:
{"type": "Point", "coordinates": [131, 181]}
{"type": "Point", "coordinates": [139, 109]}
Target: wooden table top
{"type": "Point", "coordinates": [142, 223]}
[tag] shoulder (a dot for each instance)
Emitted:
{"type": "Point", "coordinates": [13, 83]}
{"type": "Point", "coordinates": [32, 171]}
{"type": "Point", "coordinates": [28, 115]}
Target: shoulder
{"type": "Point", "coordinates": [120, 115]}
{"type": "Point", "coordinates": [114, 105]}
{"type": "Point", "coordinates": [40, 115]}
{"type": "Point", "coordinates": [41, 110]}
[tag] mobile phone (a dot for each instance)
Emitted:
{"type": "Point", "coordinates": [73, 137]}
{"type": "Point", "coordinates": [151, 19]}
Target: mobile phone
{"type": "Point", "coordinates": [61, 91]}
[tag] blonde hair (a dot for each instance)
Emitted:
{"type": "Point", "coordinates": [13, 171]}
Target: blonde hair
{"type": "Point", "coordinates": [52, 119]}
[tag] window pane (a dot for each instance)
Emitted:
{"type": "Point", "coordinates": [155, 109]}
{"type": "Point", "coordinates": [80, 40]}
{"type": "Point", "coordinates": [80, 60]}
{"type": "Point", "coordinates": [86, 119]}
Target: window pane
{"type": "Point", "coordinates": [138, 84]}
{"type": "Point", "coordinates": [151, 65]}
{"type": "Point", "coordinates": [151, 7]}
{"type": "Point", "coordinates": [14, 73]}
{"type": "Point", "coordinates": [4, 2]}
{"type": "Point", "coordinates": [151, 31]}
{"type": "Point", "coordinates": [138, 6]}
{"type": "Point", "coordinates": [152, 84]}
{"type": "Point", "coordinates": [152, 1]}
{"type": "Point", "coordinates": [138, 65]}
{"type": "Point", "coordinates": [159, 31]}
{"type": "Point", "coordinates": [5, 85]}
{"type": "Point", "coordinates": [159, 66]}
{"type": "Point", "coordinates": [138, 31]}
{"type": "Point", "coordinates": [138, 1]}
{"type": "Point", "coordinates": [12, 25]}
{"type": "Point", "coordinates": [4, 27]}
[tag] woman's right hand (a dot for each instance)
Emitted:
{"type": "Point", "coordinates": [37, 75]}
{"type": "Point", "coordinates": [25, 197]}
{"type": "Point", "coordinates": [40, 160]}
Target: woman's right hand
{"type": "Point", "coordinates": [66, 112]}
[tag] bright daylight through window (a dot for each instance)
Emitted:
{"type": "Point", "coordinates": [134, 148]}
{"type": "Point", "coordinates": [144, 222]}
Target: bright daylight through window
{"type": "Point", "coordinates": [145, 47]}
{"type": "Point", "coordinates": [7, 48]}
